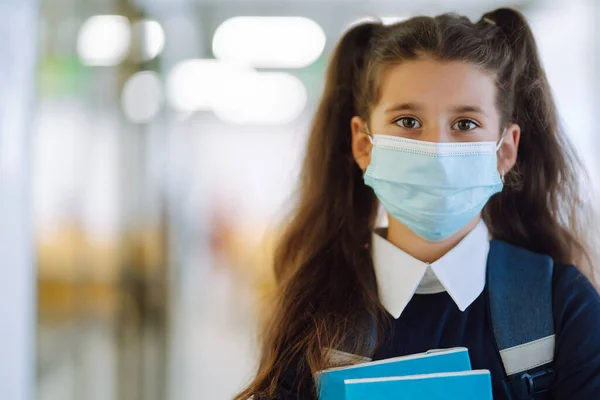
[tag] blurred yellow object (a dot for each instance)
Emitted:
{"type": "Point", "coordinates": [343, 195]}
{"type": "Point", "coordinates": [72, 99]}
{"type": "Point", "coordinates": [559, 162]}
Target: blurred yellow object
{"type": "Point", "coordinates": [248, 251]}
{"type": "Point", "coordinates": [79, 273]}
{"type": "Point", "coordinates": [69, 254]}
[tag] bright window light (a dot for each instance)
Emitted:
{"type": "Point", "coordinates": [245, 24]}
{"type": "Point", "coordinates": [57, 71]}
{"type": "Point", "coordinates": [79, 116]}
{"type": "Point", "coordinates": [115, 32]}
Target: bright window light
{"type": "Point", "coordinates": [261, 98]}
{"type": "Point", "coordinates": [153, 38]}
{"type": "Point", "coordinates": [269, 42]}
{"type": "Point", "coordinates": [193, 85]}
{"type": "Point", "coordinates": [104, 40]}
{"type": "Point", "coordinates": [142, 97]}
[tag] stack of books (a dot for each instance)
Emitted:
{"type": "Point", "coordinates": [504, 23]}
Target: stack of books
{"type": "Point", "coordinates": [434, 375]}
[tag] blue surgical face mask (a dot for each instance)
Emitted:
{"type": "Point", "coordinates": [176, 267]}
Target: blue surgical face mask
{"type": "Point", "coordinates": [434, 189]}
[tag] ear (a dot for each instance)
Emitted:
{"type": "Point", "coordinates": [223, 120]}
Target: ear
{"type": "Point", "coordinates": [507, 153]}
{"type": "Point", "coordinates": [361, 143]}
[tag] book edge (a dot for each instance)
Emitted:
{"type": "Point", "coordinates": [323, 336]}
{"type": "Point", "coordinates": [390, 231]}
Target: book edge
{"type": "Point", "coordinates": [427, 354]}
{"type": "Point", "coordinates": [417, 377]}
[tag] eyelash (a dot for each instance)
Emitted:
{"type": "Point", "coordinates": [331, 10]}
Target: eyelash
{"type": "Point", "coordinates": [456, 122]}
{"type": "Point", "coordinates": [407, 118]}
{"type": "Point", "coordinates": [468, 120]}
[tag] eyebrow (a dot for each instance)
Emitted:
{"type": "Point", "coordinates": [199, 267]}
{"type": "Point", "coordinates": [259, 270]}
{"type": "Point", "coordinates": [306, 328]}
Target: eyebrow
{"type": "Point", "coordinates": [417, 107]}
{"type": "Point", "coordinates": [404, 107]}
{"type": "Point", "coordinates": [466, 109]}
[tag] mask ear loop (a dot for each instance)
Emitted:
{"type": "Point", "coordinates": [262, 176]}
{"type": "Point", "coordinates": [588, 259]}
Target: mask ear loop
{"type": "Point", "coordinates": [498, 148]}
{"type": "Point", "coordinates": [370, 136]}
{"type": "Point", "coordinates": [501, 140]}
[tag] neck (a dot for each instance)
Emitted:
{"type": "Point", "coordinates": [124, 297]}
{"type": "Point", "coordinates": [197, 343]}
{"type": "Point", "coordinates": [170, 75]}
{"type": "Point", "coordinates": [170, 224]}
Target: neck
{"type": "Point", "coordinates": [408, 241]}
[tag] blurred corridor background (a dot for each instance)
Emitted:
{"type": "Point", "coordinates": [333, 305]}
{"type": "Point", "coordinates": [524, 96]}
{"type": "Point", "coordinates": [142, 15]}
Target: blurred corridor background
{"type": "Point", "coordinates": [148, 149]}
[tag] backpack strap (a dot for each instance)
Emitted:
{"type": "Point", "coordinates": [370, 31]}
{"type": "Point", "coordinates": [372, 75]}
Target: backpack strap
{"type": "Point", "coordinates": [520, 299]}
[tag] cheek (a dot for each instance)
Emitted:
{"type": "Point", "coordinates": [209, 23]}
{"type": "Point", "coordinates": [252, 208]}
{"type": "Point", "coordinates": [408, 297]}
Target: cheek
{"type": "Point", "coordinates": [489, 135]}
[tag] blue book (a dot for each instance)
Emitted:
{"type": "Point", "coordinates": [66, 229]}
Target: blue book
{"type": "Point", "coordinates": [330, 382]}
{"type": "Point", "coordinates": [467, 385]}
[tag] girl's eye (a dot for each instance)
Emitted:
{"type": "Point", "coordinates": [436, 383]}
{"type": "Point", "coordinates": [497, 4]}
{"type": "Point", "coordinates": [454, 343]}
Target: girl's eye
{"type": "Point", "coordinates": [465, 125]}
{"type": "Point", "coordinates": [408, 123]}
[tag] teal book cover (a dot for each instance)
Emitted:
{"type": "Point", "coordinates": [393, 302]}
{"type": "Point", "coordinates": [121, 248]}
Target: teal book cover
{"type": "Point", "coordinates": [467, 385]}
{"type": "Point", "coordinates": [330, 383]}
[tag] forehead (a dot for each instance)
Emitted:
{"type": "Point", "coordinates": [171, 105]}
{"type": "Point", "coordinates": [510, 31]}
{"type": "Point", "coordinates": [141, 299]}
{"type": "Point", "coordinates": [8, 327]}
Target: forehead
{"type": "Point", "coordinates": [431, 82]}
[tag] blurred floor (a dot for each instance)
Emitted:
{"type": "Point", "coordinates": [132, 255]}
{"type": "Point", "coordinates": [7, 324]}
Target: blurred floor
{"type": "Point", "coordinates": [216, 335]}
{"type": "Point", "coordinates": [68, 351]}
{"type": "Point", "coordinates": [212, 345]}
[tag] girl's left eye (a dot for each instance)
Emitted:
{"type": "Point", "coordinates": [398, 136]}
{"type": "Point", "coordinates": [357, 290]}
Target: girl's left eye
{"type": "Point", "coordinates": [465, 125]}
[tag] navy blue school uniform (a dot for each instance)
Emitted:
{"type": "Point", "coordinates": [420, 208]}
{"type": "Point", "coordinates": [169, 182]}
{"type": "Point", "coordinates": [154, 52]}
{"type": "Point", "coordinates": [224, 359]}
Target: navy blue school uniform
{"type": "Point", "coordinates": [445, 304]}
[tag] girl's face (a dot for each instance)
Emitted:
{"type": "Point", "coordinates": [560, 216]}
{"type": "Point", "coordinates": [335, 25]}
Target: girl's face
{"type": "Point", "coordinates": [436, 101]}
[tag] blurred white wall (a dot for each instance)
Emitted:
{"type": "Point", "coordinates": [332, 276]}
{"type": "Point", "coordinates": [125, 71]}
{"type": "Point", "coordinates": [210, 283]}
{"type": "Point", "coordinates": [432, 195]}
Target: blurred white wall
{"type": "Point", "coordinates": [568, 37]}
{"type": "Point", "coordinates": [17, 283]}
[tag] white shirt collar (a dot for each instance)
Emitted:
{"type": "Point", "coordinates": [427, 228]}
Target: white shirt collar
{"type": "Point", "coordinates": [461, 272]}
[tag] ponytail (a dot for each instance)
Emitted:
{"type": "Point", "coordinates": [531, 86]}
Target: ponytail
{"type": "Point", "coordinates": [326, 292]}
{"type": "Point", "coordinates": [330, 142]}
{"type": "Point", "coordinates": [543, 207]}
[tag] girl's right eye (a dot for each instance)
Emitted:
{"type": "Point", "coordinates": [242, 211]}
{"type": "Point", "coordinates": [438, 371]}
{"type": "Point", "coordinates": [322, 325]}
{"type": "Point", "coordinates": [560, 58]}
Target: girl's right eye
{"type": "Point", "coordinates": [408, 123]}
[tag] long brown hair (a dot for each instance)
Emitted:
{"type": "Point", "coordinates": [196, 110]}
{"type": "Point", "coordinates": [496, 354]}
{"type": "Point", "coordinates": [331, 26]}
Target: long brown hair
{"type": "Point", "coordinates": [327, 294]}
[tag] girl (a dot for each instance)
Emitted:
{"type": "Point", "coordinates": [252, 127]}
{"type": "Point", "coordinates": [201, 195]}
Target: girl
{"type": "Point", "coordinates": [450, 126]}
